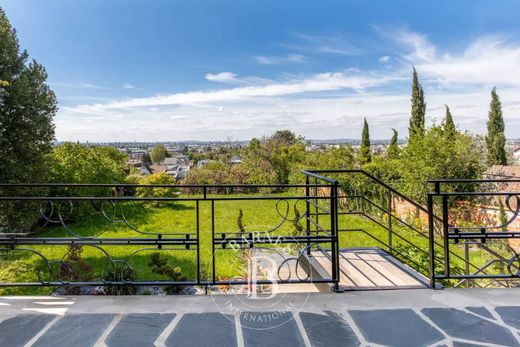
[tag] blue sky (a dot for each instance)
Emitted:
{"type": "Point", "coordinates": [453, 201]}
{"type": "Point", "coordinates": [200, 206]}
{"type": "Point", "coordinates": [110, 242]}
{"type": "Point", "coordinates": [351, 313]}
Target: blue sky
{"type": "Point", "coordinates": [180, 70]}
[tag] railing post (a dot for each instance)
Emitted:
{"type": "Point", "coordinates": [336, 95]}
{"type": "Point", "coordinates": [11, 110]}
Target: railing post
{"type": "Point", "coordinates": [466, 261]}
{"type": "Point", "coordinates": [334, 234]}
{"type": "Point", "coordinates": [445, 226]}
{"type": "Point", "coordinates": [307, 213]}
{"type": "Point", "coordinates": [390, 230]}
{"type": "Point", "coordinates": [431, 237]}
{"type": "Point", "coordinates": [198, 240]}
{"type": "Point", "coordinates": [213, 276]}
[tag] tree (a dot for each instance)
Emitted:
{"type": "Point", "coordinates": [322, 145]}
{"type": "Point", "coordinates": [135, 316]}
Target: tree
{"type": "Point", "coordinates": [365, 152]}
{"type": "Point", "coordinates": [168, 189]}
{"type": "Point", "coordinates": [449, 125]}
{"type": "Point", "coordinates": [272, 159]}
{"type": "Point", "coordinates": [158, 153]}
{"type": "Point", "coordinates": [393, 148]}
{"type": "Point", "coordinates": [27, 109]}
{"type": "Point", "coordinates": [77, 163]}
{"type": "Point", "coordinates": [416, 129]}
{"type": "Point", "coordinates": [495, 139]}
{"type": "Point", "coordinates": [433, 156]}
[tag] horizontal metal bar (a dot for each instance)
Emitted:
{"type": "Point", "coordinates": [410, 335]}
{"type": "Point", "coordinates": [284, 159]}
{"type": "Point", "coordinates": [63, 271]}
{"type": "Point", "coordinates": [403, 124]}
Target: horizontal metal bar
{"type": "Point", "coordinates": [110, 198]}
{"type": "Point", "coordinates": [97, 241]}
{"type": "Point", "coordinates": [313, 173]}
{"type": "Point", "coordinates": [486, 235]}
{"type": "Point", "coordinates": [133, 185]}
{"type": "Point", "coordinates": [272, 240]}
{"type": "Point", "coordinates": [469, 180]}
{"type": "Point", "coordinates": [474, 193]}
{"type": "Point", "coordinates": [484, 276]}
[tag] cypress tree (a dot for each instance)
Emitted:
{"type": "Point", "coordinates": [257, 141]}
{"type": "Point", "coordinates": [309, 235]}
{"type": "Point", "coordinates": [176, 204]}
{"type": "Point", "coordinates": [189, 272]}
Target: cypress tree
{"type": "Point", "coordinates": [416, 128]}
{"type": "Point", "coordinates": [495, 139]}
{"type": "Point", "coordinates": [449, 125]}
{"type": "Point", "coordinates": [365, 153]}
{"type": "Point", "coordinates": [393, 148]}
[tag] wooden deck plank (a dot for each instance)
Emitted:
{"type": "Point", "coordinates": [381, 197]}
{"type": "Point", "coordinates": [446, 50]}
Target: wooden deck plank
{"type": "Point", "coordinates": [369, 269]}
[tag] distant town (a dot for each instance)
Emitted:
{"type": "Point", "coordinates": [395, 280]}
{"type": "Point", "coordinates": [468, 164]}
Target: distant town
{"type": "Point", "coordinates": [182, 156]}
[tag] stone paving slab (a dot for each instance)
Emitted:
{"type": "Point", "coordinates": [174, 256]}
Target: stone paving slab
{"type": "Point", "coordinates": [18, 330]}
{"type": "Point", "coordinates": [399, 327]}
{"type": "Point", "coordinates": [138, 330]}
{"type": "Point", "coordinates": [328, 329]}
{"type": "Point", "coordinates": [401, 318]}
{"type": "Point", "coordinates": [204, 329]}
{"type": "Point", "coordinates": [78, 330]}
{"type": "Point", "coordinates": [464, 325]}
{"type": "Point", "coordinates": [264, 329]}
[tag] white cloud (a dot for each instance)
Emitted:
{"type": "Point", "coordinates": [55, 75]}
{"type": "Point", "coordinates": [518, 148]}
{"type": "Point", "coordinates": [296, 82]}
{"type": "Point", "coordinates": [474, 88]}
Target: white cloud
{"type": "Point", "coordinates": [128, 86]}
{"type": "Point", "coordinates": [275, 60]}
{"type": "Point", "coordinates": [313, 117]}
{"type": "Point", "coordinates": [384, 59]}
{"type": "Point", "coordinates": [317, 83]}
{"type": "Point", "coordinates": [488, 60]}
{"type": "Point", "coordinates": [225, 77]}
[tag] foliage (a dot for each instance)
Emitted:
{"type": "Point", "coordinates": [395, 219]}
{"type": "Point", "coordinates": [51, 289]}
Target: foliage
{"type": "Point", "coordinates": [73, 268]}
{"type": "Point", "coordinates": [393, 148]}
{"type": "Point", "coordinates": [240, 224]}
{"type": "Point", "coordinates": [161, 178]}
{"type": "Point", "coordinates": [217, 173]}
{"type": "Point", "coordinates": [449, 125]}
{"type": "Point", "coordinates": [271, 159]}
{"type": "Point", "coordinates": [76, 163]}
{"type": "Point", "coordinates": [502, 217]}
{"type": "Point", "coordinates": [160, 266]}
{"type": "Point", "coordinates": [416, 128]}
{"type": "Point", "coordinates": [298, 227]}
{"type": "Point", "coordinates": [27, 109]}
{"type": "Point", "coordinates": [158, 153]}
{"type": "Point", "coordinates": [495, 139]}
{"type": "Point", "coordinates": [365, 152]}
{"type": "Point", "coordinates": [120, 273]}
{"type": "Point", "coordinates": [434, 156]}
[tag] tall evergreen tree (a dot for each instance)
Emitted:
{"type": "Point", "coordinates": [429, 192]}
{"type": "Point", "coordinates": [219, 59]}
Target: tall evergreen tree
{"type": "Point", "coordinates": [496, 139]}
{"type": "Point", "coordinates": [393, 148]}
{"type": "Point", "coordinates": [416, 128]}
{"type": "Point", "coordinates": [27, 108]}
{"type": "Point", "coordinates": [365, 153]}
{"type": "Point", "coordinates": [449, 125]}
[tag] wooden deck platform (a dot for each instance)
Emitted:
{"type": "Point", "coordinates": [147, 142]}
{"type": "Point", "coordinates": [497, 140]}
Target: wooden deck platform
{"type": "Point", "coordinates": [368, 269]}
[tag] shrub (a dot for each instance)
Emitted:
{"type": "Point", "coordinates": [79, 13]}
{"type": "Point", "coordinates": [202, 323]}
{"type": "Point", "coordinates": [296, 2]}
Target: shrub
{"type": "Point", "coordinates": [120, 273]}
{"type": "Point", "coordinates": [161, 267]}
{"type": "Point", "coordinates": [157, 192]}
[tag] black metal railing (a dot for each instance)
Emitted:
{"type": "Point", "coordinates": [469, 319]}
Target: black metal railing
{"type": "Point", "coordinates": [130, 235]}
{"type": "Point", "coordinates": [107, 219]}
{"type": "Point", "coordinates": [478, 216]}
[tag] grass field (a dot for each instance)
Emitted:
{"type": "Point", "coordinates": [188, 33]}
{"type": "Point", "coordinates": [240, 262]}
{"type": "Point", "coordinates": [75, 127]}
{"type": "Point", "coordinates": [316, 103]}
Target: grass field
{"type": "Point", "coordinates": [180, 217]}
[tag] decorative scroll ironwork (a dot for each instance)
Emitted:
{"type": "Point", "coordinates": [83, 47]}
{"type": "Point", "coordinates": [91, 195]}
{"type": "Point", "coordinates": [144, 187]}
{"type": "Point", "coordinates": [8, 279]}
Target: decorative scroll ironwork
{"type": "Point", "coordinates": [503, 261]}
{"type": "Point", "coordinates": [117, 256]}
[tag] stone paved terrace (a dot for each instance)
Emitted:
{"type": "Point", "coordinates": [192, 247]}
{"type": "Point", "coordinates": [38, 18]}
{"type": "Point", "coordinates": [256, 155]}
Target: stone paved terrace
{"type": "Point", "coordinates": [450, 317]}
